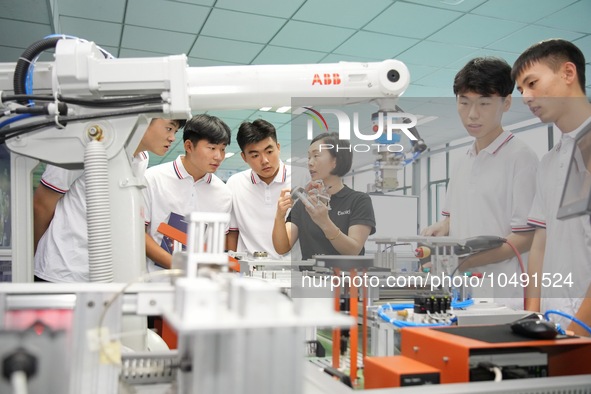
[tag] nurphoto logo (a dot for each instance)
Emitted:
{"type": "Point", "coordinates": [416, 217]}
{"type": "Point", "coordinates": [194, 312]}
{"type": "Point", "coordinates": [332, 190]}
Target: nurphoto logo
{"type": "Point", "coordinates": [387, 124]}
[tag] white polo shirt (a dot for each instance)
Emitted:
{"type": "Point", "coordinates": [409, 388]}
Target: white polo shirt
{"type": "Point", "coordinates": [62, 252]}
{"type": "Point", "coordinates": [172, 189]}
{"type": "Point", "coordinates": [59, 179]}
{"type": "Point", "coordinates": [254, 205]}
{"type": "Point", "coordinates": [568, 242]}
{"type": "Point", "coordinates": [490, 193]}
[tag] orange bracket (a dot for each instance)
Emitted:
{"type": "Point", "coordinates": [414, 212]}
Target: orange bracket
{"type": "Point", "coordinates": [173, 233]}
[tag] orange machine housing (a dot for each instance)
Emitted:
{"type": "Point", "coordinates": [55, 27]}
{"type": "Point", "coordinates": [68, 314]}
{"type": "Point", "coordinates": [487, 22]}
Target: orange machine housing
{"type": "Point", "coordinates": [450, 354]}
{"type": "Point", "coordinates": [397, 371]}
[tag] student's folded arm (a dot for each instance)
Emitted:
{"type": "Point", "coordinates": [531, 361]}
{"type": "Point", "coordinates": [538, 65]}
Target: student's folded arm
{"type": "Point", "coordinates": [44, 202]}
{"type": "Point", "coordinates": [157, 254]}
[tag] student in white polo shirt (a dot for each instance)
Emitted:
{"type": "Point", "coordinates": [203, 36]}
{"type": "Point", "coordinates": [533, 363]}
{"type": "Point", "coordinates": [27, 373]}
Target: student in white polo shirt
{"type": "Point", "coordinates": [492, 187]}
{"type": "Point", "coordinates": [60, 209]}
{"type": "Point", "coordinates": [551, 77]}
{"type": "Point", "coordinates": [187, 184]}
{"type": "Point", "coordinates": [255, 191]}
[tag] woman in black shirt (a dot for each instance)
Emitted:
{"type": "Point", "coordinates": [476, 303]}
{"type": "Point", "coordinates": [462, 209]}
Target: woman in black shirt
{"type": "Point", "coordinates": [341, 229]}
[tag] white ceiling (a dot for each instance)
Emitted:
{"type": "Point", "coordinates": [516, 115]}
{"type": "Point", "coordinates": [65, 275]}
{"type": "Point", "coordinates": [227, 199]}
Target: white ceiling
{"type": "Point", "coordinates": [435, 38]}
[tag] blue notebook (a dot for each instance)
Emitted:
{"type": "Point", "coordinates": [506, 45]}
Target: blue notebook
{"type": "Point", "coordinates": [177, 221]}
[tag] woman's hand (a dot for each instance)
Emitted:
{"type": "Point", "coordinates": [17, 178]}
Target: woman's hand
{"type": "Point", "coordinates": [318, 212]}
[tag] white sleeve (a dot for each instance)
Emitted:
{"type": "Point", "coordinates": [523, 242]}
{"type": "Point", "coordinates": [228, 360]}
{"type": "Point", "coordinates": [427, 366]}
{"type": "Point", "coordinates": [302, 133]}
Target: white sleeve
{"type": "Point", "coordinates": [59, 179]}
{"type": "Point", "coordinates": [536, 216]}
{"type": "Point", "coordinates": [233, 220]}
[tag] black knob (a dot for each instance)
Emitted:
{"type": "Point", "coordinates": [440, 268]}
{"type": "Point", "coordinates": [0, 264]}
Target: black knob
{"type": "Point", "coordinates": [393, 76]}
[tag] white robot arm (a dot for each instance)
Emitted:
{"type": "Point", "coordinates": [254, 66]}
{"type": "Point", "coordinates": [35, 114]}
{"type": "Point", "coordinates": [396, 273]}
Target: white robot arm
{"type": "Point", "coordinates": [81, 69]}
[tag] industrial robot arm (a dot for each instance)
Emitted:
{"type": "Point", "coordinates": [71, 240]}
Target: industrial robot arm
{"type": "Point", "coordinates": [82, 92]}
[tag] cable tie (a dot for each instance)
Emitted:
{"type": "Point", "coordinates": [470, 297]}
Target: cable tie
{"type": "Point", "coordinates": [57, 122]}
{"type": "Point", "coordinates": [25, 59]}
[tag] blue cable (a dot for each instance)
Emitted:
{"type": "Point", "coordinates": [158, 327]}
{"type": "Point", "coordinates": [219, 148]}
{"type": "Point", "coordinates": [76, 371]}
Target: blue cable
{"type": "Point", "coordinates": [29, 79]}
{"type": "Point", "coordinates": [397, 307]}
{"type": "Point", "coordinates": [462, 304]}
{"type": "Point", "coordinates": [413, 158]}
{"type": "Point", "coordinates": [559, 329]}
{"type": "Point", "coordinates": [14, 119]}
{"type": "Point", "coordinates": [559, 313]}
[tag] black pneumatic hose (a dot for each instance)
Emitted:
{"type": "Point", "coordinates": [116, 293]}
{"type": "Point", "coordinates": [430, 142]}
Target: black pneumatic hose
{"type": "Point", "coordinates": [24, 62]}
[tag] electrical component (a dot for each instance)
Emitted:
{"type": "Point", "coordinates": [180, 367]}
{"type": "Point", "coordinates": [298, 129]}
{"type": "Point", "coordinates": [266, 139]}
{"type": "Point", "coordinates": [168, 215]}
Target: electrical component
{"type": "Point", "coordinates": [511, 364]}
{"type": "Point", "coordinates": [432, 304]}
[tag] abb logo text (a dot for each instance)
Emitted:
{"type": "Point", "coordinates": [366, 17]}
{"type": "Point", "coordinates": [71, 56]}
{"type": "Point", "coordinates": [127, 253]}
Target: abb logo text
{"type": "Point", "coordinates": [327, 79]}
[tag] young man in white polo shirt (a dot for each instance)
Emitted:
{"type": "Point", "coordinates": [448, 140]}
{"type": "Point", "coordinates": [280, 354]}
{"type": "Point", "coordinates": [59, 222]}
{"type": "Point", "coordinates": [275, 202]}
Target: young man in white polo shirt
{"type": "Point", "coordinates": [60, 209]}
{"type": "Point", "coordinates": [255, 192]}
{"type": "Point", "coordinates": [187, 184]}
{"type": "Point", "coordinates": [54, 183]}
{"type": "Point", "coordinates": [551, 77]}
{"type": "Point", "coordinates": [492, 187]}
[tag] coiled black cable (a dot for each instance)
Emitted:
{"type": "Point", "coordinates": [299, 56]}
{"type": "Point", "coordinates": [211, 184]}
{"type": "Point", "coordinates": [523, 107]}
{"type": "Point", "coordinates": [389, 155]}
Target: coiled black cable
{"type": "Point", "coordinates": [24, 62]}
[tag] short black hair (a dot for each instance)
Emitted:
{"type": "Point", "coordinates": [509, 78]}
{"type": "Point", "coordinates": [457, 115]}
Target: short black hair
{"type": "Point", "coordinates": [486, 76]}
{"type": "Point", "coordinates": [253, 132]}
{"type": "Point", "coordinates": [341, 151]}
{"type": "Point", "coordinates": [207, 127]}
{"type": "Point", "coordinates": [553, 53]}
{"type": "Point", "coordinates": [180, 122]}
